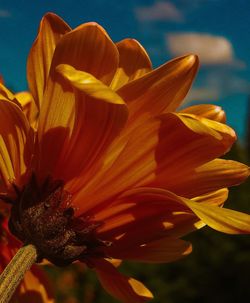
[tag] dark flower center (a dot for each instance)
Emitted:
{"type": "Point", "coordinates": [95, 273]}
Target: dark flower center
{"type": "Point", "coordinates": [43, 216]}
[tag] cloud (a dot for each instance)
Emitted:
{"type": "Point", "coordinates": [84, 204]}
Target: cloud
{"type": "Point", "coordinates": [212, 50]}
{"type": "Point", "coordinates": [159, 11]}
{"type": "Point", "coordinates": [4, 13]}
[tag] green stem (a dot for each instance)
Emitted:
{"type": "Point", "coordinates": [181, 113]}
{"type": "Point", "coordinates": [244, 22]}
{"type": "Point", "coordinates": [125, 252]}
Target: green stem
{"type": "Point", "coordinates": [15, 270]}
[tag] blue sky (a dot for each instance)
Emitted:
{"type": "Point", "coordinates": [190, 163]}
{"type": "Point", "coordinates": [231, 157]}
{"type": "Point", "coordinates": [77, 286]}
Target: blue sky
{"type": "Point", "coordinates": [218, 30]}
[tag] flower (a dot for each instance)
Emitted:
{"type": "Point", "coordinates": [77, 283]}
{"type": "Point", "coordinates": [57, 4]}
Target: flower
{"type": "Point", "coordinates": [109, 168]}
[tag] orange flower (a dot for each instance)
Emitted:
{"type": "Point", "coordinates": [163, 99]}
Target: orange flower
{"type": "Point", "coordinates": [110, 168]}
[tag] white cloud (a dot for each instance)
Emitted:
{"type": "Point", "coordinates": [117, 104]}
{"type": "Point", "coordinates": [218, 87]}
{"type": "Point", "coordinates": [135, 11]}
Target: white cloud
{"type": "Point", "coordinates": [4, 13]}
{"type": "Point", "coordinates": [212, 50]}
{"type": "Point", "coordinates": [159, 11]}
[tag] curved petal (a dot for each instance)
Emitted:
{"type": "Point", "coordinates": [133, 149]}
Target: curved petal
{"type": "Point", "coordinates": [87, 48]}
{"type": "Point", "coordinates": [168, 145]}
{"type": "Point", "coordinates": [51, 29]}
{"type": "Point", "coordinates": [209, 111]}
{"type": "Point", "coordinates": [123, 288]}
{"type": "Point", "coordinates": [208, 177]}
{"type": "Point", "coordinates": [29, 107]}
{"type": "Point", "coordinates": [16, 143]}
{"type": "Point", "coordinates": [224, 220]}
{"type": "Point", "coordinates": [35, 287]}
{"type": "Point", "coordinates": [83, 116]}
{"type": "Point", "coordinates": [161, 90]}
{"type": "Point", "coordinates": [134, 62]}
{"type": "Point", "coordinates": [164, 250]}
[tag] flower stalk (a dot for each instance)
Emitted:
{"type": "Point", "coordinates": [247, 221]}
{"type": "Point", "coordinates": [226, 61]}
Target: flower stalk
{"type": "Point", "coordinates": [15, 270]}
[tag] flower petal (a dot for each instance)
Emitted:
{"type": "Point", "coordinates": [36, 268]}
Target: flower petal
{"type": "Point", "coordinates": [88, 48]}
{"type": "Point", "coordinates": [161, 251]}
{"type": "Point", "coordinates": [161, 90]}
{"type": "Point", "coordinates": [16, 144]}
{"type": "Point", "coordinates": [51, 29]}
{"type": "Point", "coordinates": [83, 116]}
{"type": "Point", "coordinates": [35, 287]}
{"type": "Point", "coordinates": [224, 220]}
{"type": "Point", "coordinates": [29, 107]}
{"type": "Point", "coordinates": [123, 288]}
{"type": "Point", "coordinates": [167, 145]}
{"type": "Point", "coordinates": [134, 62]}
{"type": "Point", "coordinates": [208, 177]}
{"type": "Point", "coordinates": [208, 111]}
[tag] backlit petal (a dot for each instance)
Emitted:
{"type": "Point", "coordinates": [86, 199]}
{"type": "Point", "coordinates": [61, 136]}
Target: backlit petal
{"type": "Point", "coordinates": [51, 29]}
{"type": "Point", "coordinates": [208, 111]}
{"type": "Point", "coordinates": [83, 116]}
{"type": "Point", "coordinates": [134, 62]}
{"type": "Point", "coordinates": [88, 48]}
{"type": "Point", "coordinates": [161, 90]}
{"type": "Point", "coordinates": [224, 220]}
{"type": "Point", "coordinates": [15, 145]}
{"type": "Point", "coordinates": [123, 288]}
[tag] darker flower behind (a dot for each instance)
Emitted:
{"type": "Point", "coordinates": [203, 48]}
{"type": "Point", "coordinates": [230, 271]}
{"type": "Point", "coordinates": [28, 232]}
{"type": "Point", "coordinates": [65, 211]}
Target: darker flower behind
{"type": "Point", "coordinates": [102, 165]}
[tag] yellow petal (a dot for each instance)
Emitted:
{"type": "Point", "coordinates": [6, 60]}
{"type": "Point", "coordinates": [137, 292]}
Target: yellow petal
{"type": "Point", "coordinates": [221, 219]}
{"type": "Point", "coordinates": [161, 251]}
{"type": "Point", "coordinates": [216, 198]}
{"type": "Point", "coordinates": [29, 107]}
{"type": "Point", "coordinates": [34, 288]}
{"type": "Point", "coordinates": [123, 288]}
{"type": "Point", "coordinates": [208, 111]}
{"type": "Point", "coordinates": [134, 62]}
{"type": "Point", "coordinates": [88, 48]}
{"type": "Point", "coordinates": [51, 29]}
{"type": "Point", "coordinates": [16, 144]}
{"type": "Point", "coordinates": [83, 116]}
{"type": "Point", "coordinates": [161, 90]}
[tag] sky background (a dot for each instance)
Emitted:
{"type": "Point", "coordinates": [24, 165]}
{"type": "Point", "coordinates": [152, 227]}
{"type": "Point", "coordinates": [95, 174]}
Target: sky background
{"type": "Point", "coordinates": [217, 30]}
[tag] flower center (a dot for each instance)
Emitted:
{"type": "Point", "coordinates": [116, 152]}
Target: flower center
{"type": "Point", "coordinates": [43, 216]}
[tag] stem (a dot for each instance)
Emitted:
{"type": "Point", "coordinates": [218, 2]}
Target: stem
{"type": "Point", "coordinates": [15, 270]}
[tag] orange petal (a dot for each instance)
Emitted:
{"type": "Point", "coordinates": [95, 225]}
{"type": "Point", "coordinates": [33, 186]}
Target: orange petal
{"type": "Point", "coordinates": [209, 111]}
{"type": "Point", "coordinates": [51, 30]}
{"type": "Point", "coordinates": [88, 48]}
{"type": "Point", "coordinates": [161, 90]}
{"type": "Point", "coordinates": [16, 143]}
{"type": "Point", "coordinates": [211, 176]}
{"type": "Point", "coordinates": [123, 288]}
{"type": "Point", "coordinates": [34, 288]}
{"type": "Point", "coordinates": [161, 251]}
{"type": "Point", "coordinates": [221, 219]}
{"type": "Point", "coordinates": [29, 107]}
{"type": "Point", "coordinates": [83, 116]}
{"type": "Point", "coordinates": [165, 146]}
{"type": "Point", "coordinates": [134, 62]}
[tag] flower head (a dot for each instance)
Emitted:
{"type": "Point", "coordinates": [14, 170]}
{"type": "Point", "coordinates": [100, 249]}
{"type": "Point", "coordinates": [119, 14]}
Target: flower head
{"type": "Point", "coordinates": [106, 167]}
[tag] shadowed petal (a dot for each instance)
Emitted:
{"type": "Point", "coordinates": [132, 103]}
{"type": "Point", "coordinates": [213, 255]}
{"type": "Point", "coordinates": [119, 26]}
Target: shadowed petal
{"type": "Point", "coordinates": [34, 288]}
{"type": "Point", "coordinates": [170, 144]}
{"type": "Point", "coordinates": [83, 116]}
{"type": "Point", "coordinates": [160, 251]}
{"type": "Point", "coordinates": [87, 48]}
{"type": "Point", "coordinates": [211, 176]}
{"type": "Point", "coordinates": [208, 111]}
{"type": "Point", "coordinates": [51, 29]}
{"type": "Point", "coordinates": [123, 288]}
{"type": "Point", "coordinates": [134, 62]}
{"type": "Point", "coordinates": [161, 90]}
